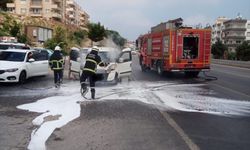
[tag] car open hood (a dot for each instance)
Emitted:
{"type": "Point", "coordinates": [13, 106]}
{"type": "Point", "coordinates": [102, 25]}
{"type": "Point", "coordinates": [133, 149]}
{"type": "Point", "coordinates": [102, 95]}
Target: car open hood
{"type": "Point", "coordinates": [9, 65]}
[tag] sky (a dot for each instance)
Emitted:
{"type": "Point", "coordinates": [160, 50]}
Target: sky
{"type": "Point", "coordinates": [134, 17]}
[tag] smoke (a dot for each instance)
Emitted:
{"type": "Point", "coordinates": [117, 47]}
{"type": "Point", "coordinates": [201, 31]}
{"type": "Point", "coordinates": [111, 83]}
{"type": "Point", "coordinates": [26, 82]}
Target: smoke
{"type": "Point", "coordinates": [115, 50]}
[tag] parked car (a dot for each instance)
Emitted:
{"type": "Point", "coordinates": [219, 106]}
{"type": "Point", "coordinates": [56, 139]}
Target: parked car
{"type": "Point", "coordinates": [118, 63]}
{"type": "Point", "coordinates": [9, 45]}
{"type": "Point", "coordinates": [17, 65]}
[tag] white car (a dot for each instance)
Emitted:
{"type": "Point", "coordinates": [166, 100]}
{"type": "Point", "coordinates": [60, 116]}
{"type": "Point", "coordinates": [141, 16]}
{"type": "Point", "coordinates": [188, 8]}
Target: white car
{"type": "Point", "coordinates": [9, 45]}
{"type": "Point", "coordinates": [75, 59]}
{"type": "Point", "coordinates": [118, 63]}
{"type": "Point", "coordinates": [17, 65]}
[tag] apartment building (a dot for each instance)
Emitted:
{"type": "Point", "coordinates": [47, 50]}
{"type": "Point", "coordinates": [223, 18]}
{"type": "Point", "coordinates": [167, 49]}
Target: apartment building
{"type": "Point", "coordinates": [234, 33]}
{"type": "Point", "coordinates": [248, 31]}
{"type": "Point", "coordinates": [217, 29]}
{"type": "Point", "coordinates": [60, 10]}
{"type": "Point", "coordinates": [75, 15]}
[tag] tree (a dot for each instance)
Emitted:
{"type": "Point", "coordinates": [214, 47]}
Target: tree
{"type": "Point", "coordinates": [243, 51]}
{"type": "Point", "coordinates": [79, 36]}
{"type": "Point", "coordinates": [116, 37]}
{"type": "Point", "coordinates": [96, 32]}
{"type": "Point", "coordinates": [218, 49]}
{"type": "Point", "coordinates": [59, 38]}
{"type": "Point", "coordinates": [3, 4]}
{"type": "Point", "coordinates": [15, 29]}
{"type": "Point", "coordinates": [50, 44]}
{"type": "Point", "coordinates": [22, 38]}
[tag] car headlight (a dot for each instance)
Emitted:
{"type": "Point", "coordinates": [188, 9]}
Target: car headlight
{"type": "Point", "coordinates": [11, 70]}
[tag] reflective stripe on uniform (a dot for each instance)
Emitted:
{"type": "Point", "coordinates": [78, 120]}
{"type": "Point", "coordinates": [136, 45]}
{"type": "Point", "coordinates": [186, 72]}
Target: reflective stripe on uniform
{"type": "Point", "coordinates": [91, 60]}
{"type": "Point", "coordinates": [86, 69]}
{"type": "Point", "coordinates": [57, 67]}
{"type": "Point", "coordinates": [100, 63]}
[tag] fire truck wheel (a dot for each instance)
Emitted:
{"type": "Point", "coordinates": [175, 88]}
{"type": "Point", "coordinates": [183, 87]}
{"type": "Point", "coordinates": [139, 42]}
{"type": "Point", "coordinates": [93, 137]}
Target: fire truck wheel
{"type": "Point", "coordinates": [159, 68]}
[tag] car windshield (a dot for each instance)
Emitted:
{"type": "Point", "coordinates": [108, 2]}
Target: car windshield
{"type": "Point", "coordinates": [109, 56]}
{"type": "Point", "coordinates": [49, 51]}
{"type": "Point", "coordinates": [12, 56]}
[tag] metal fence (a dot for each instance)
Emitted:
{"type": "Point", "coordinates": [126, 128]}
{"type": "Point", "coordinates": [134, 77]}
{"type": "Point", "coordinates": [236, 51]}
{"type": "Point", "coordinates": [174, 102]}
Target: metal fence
{"type": "Point", "coordinates": [244, 64]}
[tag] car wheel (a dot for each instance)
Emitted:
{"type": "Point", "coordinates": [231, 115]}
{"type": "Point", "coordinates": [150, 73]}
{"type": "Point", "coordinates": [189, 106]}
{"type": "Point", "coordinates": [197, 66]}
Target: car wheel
{"type": "Point", "coordinates": [22, 77]}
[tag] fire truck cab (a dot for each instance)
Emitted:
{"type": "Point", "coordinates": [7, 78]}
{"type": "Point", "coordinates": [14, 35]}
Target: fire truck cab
{"type": "Point", "coordinates": [170, 47]}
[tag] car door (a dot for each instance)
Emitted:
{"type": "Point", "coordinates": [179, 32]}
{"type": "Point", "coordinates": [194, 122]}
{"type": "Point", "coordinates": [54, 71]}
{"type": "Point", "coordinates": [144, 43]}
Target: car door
{"type": "Point", "coordinates": [74, 61]}
{"type": "Point", "coordinates": [31, 67]}
{"type": "Point", "coordinates": [124, 64]}
{"type": "Point", "coordinates": [41, 62]}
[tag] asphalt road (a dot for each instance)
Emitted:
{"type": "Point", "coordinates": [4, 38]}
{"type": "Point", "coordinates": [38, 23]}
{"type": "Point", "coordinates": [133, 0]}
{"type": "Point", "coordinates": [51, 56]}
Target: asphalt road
{"type": "Point", "coordinates": [212, 132]}
{"type": "Point", "coordinates": [127, 124]}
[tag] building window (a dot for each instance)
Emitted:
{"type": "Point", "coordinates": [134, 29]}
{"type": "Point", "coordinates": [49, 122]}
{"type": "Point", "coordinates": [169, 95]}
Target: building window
{"type": "Point", "coordinates": [23, 10]}
{"type": "Point", "coordinates": [238, 42]}
{"type": "Point", "coordinates": [36, 11]}
{"type": "Point", "coordinates": [47, 11]}
{"type": "Point", "coordinates": [248, 34]}
{"type": "Point", "coordinates": [23, 1]}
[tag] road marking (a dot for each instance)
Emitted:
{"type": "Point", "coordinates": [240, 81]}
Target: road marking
{"type": "Point", "coordinates": [240, 93]}
{"type": "Point", "coordinates": [180, 131]}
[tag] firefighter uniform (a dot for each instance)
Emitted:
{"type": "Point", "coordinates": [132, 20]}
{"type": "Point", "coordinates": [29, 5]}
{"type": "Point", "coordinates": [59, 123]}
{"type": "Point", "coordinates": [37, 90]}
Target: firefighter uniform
{"type": "Point", "coordinates": [89, 71]}
{"type": "Point", "coordinates": [56, 63]}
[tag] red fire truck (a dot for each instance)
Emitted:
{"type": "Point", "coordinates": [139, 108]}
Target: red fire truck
{"type": "Point", "coordinates": [171, 47]}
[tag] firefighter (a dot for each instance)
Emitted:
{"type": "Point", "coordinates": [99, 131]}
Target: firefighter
{"type": "Point", "coordinates": [56, 63]}
{"type": "Point", "coordinates": [89, 71]}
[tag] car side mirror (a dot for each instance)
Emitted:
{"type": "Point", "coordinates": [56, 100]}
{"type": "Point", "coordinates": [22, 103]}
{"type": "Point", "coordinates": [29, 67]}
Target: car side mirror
{"type": "Point", "coordinates": [31, 60]}
{"type": "Point", "coordinates": [120, 60]}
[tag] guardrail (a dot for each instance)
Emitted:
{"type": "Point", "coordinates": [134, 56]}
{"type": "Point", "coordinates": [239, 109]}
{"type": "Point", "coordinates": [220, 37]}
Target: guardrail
{"type": "Point", "coordinates": [236, 63]}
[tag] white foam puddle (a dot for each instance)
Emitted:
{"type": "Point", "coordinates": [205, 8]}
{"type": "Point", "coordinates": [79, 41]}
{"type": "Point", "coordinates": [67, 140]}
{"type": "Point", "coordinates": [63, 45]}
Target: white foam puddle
{"type": "Point", "coordinates": [57, 111]}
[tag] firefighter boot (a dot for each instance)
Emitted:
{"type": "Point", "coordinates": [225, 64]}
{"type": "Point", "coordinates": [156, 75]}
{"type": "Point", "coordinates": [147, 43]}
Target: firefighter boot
{"type": "Point", "coordinates": [92, 93]}
{"type": "Point", "coordinates": [84, 89]}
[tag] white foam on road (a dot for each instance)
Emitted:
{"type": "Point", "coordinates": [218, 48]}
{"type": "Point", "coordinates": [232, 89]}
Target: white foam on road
{"type": "Point", "coordinates": [168, 96]}
{"type": "Point", "coordinates": [65, 107]}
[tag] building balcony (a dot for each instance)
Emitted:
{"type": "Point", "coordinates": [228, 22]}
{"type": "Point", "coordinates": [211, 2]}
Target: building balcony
{"type": "Point", "coordinates": [57, 1]}
{"type": "Point", "coordinates": [82, 18]}
{"type": "Point", "coordinates": [56, 7]}
{"type": "Point", "coordinates": [35, 14]}
{"type": "Point", "coordinates": [36, 6]}
{"type": "Point", "coordinates": [72, 16]}
{"type": "Point", "coordinates": [56, 15]}
{"type": "Point", "coordinates": [70, 9]}
{"type": "Point", "coordinates": [70, 2]}
{"type": "Point", "coordinates": [234, 37]}
{"type": "Point", "coordinates": [36, 3]}
{"type": "Point", "coordinates": [235, 29]}
{"type": "Point", "coordinates": [11, 5]}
